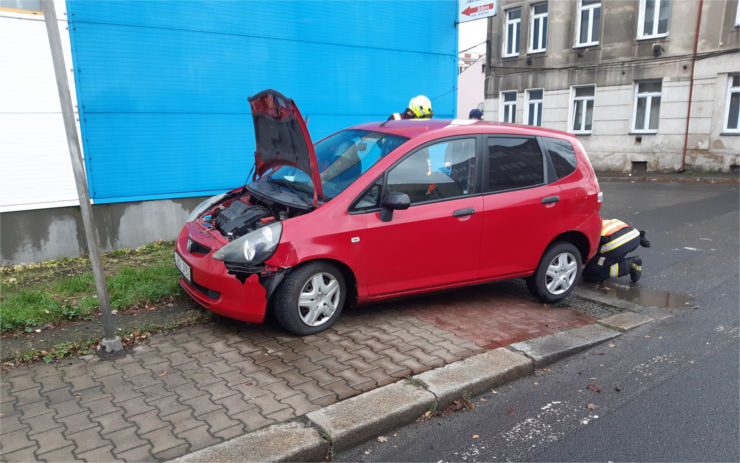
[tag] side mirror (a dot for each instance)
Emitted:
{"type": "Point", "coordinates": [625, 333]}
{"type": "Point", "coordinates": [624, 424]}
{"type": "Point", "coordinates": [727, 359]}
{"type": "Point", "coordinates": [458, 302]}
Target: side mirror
{"type": "Point", "coordinates": [393, 200]}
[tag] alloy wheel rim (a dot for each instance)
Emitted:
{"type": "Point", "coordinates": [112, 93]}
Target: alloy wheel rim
{"type": "Point", "coordinates": [319, 299]}
{"type": "Point", "coordinates": [561, 273]}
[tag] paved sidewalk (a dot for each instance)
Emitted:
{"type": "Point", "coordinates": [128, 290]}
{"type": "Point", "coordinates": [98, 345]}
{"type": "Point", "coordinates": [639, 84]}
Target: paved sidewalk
{"type": "Point", "coordinates": [202, 385]}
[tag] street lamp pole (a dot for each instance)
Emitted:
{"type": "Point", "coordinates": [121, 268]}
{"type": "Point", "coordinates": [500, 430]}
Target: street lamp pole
{"type": "Point", "coordinates": [111, 342]}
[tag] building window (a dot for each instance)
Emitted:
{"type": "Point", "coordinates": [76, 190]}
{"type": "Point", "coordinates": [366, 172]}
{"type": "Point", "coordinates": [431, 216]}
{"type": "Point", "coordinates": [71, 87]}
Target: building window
{"type": "Point", "coordinates": [588, 23]}
{"type": "Point", "coordinates": [732, 113]}
{"type": "Point", "coordinates": [538, 28]}
{"type": "Point", "coordinates": [512, 25]}
{"type": "Point", "coordinates": [647, 107]}
{"type": "Point", "coordinates": [583, 108]}
{"type": "Point", "coordinates": [534, 107]}
{"type": "Point", "coordinates": [737, 15]}
{"type": "Point", "coordinates": [653, 20]}
{"type": "Point", "coordinates": [25, 6]}
{"type": "Point", "coordinates": [508, 107]}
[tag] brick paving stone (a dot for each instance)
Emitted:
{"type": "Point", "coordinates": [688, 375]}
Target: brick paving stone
{"type": "Point", "coordinates": [11, 423]}
{"type": "Point", "coordinates": [201, 405]}
{"type": "Point", "coordinates": [252, 419]}
{"type": "Point", "coordinates": [280, 390]}
{"type": "Point", "coordinates": [28, 396]}
{"type": "Point", "coordinates": [133, 369]}
{"type": "Point", "coordinates": [248, 366]}
{"type": "Point", "coordinates": [102, 369]}
{"type": "Point", "coordinates": [360, 365]}
{"type": "Point", "coordinates": [288, 355]}
{"type": "Point", "coordinates": [91, 394]}
{"type": "Point", "coordinates": [102, 407]}
{"type": "Point", "coordinates": [16, 372]}
{"type": "Point", "coordinates": [233, 378]}
{"type": "Point", "coordinates": [148, 421]}
{"type": "Point", "coordinates": [40, 423]}
{"type": "Point", "coordinates": [296, 345]}
{"type": "Point", "coordinates": [65, 454]}
{"type": "Point", "coordinates": [88, 439]}
{"type": "Point", "coordinates": [137, 454]}
{"type": "Point", "coordinates": [49, 440]}
{"type": "Point", "coordinates": [368, 355]}
{"type": "Point", "coordinates": [246, 347]}
{"type": "Point", "coordinates": [322, 377]}
{"type": "Point", "coordinates": [112, 422]}
{"type": "Point", "coordinates": [235, 404]}
{"type": "Point", "coordinates": [282, 415]}
{"type": "Point", "coordinates": [332, 365]}
{"type": "Point", "coordinates": [100, 454]}
{"type": "Point", "coordinates": [390, 367]}
{"type": "Point", "coordinates": [167, 405]}
{"type": "Point", "coordinates": [183, 421]}
{"type": "Point", "coordinates": [50, 383]}
{"type": "Point", "coordinates": [250, 390]}
{"type": "Point", "coordinates": [395, 356]}
{"type": "Point", "coordinates": [341, 389]}
{"type": "Point", "coordinates": [173, 379]}
{"type": "Point", "coordinates": [188, 391]}
{"type": "Point", "coordinates": [144, 379]}
{"type": "Point", "coordinates": [351, 346]}
{"type": "Point", "coordinates": [198, 438]}
{"type": "Point", "coordinates": [125, 439]}
{"type": "Point", "coordinates": [118, 388]}
{"type": "Point", "coordinates": [217, 420]}
{"type": "Point", "coordinates": [293, 377]}
{"type": "Point", "coordinates": [78, 422]}
{"type": "Point", "coordinates": [341, 355]}
{"type": "Point", "coordinates": [305, 365]}
{"type": "Point", "coordinates": [205, 357]}
{"type": "Point", "coordinates": [220, 367]}
{"type": "Point", "coordinates": [356, 380]}
{"type": "Point", "coordinates": [380, 377]}
{"type": "Point", "coordinates": [445, 356]}
{"type": "Point", "coordinates": [263, 377]}
{"type": "Point", "coordinates": [202, 378]}
{"type": "Point", "coordinates": [68, 408]}
{"type": "Point", "coordinates": [268, 404]}
{"type": "Point", "coordinates": [178, 358]}
{"type": "Point", "coordinates": [162, 439]}
{"type": "Point", "coordinates": [220, 347]}
{"type": "Point", "coordinates": [125, 360]}
{"type": "Point", "coordinates": [155, 392]}
{"type": "Point", "coordinates": [271, 346]}
{"type": "Point", "coordinates": [21, 456]}
{"type": "Point", "coordinates": [313, 391]}
{"type": "Point", "coordinates": [34, 409]}
{"type": "Point", "coordinates": [193, 347]}
{"type": "Point", "coordinates": [44, 370]}
{"type": "Point", "coordinates": [228, 433]}
{"type": "Point", "coordinates": [22, 382]}
{"type": "Point", "coordinates": [315, 355]}
{"type": "Point", "coordinates": [219, 390]}
{"type": "Point", "coordinates": [413, 366]}
{"type": "Point", "coordinates": [425, 358]}
{"type": "Point", "coordinates": [15, 440]}
{"type": "Point", "coordinates": [300, 404]}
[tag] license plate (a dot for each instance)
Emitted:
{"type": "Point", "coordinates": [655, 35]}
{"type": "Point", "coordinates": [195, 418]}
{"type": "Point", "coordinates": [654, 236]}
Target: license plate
{"type": "Point", "coordinates": [183, 267]}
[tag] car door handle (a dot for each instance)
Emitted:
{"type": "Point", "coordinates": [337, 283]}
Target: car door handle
{"type": "Point", "coordinates": [463, 212]}
{"type": "Point", "coordinates": [550, 199]}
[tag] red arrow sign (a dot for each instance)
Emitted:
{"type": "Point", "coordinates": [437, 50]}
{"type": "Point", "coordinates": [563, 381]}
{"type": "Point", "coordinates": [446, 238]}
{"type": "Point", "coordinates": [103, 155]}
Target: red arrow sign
{"type": "Point", "coordinates": [478, 9]}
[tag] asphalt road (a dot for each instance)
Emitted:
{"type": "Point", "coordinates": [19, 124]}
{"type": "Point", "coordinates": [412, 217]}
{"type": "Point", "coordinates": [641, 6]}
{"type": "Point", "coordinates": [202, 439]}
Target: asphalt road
{"type": "Point", "coordinates": [666, 391]}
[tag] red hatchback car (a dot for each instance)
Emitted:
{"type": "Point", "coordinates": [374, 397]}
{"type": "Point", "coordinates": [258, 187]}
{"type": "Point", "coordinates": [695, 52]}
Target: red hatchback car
{"type": "Point", "coordinates": [388, 209]}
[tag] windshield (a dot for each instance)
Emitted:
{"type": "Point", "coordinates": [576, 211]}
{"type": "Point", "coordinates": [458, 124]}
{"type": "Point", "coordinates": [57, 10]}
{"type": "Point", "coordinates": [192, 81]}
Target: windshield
{"type": "Point", "coordinates": [342, 158]}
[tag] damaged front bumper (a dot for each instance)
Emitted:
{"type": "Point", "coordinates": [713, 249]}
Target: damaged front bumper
{"type": "Point", "coordinates": [242, 296]}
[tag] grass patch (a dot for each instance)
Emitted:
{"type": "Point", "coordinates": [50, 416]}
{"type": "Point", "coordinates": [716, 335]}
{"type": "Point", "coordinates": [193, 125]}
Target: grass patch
{"type": "Point", "coordinates": [54, 291]}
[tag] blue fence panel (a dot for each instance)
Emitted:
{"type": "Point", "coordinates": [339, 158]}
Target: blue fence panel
{"type": "Point", "coordinates": [162, 86]}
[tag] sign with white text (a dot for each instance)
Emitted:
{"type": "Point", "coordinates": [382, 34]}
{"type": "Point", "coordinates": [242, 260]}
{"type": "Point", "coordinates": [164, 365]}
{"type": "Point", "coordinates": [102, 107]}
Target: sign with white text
{"type": "Point", "coordinates": [470, 10]}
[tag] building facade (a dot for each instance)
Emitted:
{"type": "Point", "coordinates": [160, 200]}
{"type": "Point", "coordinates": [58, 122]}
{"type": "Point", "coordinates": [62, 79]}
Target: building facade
{"type": "Point", "coordinates": [646, 84]}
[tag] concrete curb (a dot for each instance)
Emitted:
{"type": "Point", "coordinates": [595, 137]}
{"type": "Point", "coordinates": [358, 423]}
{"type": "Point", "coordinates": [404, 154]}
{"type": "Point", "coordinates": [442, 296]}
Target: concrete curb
{"type": "Point", "coordinates": [553, 347]}
{"type": "Point", "coordinates": [344, 424]}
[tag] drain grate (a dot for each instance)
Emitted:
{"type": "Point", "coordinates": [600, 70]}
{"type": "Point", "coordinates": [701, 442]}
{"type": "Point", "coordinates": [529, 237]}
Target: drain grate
{"type": "Point", "coordinates": [589, 307]}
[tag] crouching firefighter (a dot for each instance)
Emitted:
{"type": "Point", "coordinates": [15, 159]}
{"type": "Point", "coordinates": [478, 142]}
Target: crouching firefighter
{"type": "Point", "coordinates": [617, 240]}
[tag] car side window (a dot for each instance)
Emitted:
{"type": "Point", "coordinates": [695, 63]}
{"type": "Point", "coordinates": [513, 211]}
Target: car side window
{"type": "Point", "coordinates": [371, 198]}
{"type": "Point", "coordinates": [513, 163]}
{"type": "Point", "coordinates": [562, 155]}
{"type": "Point", "coordinates": [439, 171]}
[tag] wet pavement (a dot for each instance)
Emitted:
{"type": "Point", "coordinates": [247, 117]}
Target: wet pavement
{"type": "Point", "coordinates": [205, 384]}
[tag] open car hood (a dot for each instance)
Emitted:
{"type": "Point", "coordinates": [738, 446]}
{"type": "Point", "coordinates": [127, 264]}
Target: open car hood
{"type": "Point", "coordinates": [282, 137]}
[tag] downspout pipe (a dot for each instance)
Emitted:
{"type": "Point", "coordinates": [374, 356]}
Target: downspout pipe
{"type": "Point", "coordinates": [691, 88]}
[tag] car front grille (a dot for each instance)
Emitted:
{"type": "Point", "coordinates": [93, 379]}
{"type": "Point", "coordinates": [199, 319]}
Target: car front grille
{"type": "Point", "coordinates": [209, 293]}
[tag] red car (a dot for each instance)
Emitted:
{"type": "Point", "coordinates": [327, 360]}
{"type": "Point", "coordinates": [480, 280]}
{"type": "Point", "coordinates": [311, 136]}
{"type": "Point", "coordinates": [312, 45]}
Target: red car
{"type": "Point", "coordinates": [389, 209]}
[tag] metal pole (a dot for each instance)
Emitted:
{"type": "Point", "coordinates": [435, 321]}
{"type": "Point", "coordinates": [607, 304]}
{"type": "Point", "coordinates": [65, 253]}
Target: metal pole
{"type": "Point", "coordinates": [111, 342]}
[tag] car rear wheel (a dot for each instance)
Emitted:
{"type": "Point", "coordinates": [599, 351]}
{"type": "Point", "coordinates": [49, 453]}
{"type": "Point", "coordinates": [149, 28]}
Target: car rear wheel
{"type": "Point", "coordinates": [557, 274]}
{"type": "Point", "coordinates": [311, 298]}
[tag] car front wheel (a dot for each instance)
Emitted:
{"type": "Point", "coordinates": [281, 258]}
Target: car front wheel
{"type": "Point", "coordinates": [311, 298]}
{"type": "Point", "coordinates": [557, 274]}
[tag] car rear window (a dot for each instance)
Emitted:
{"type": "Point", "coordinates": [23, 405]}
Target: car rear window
{"type": "Point", "coordinates": [513, 163]}
{"type": "Point", "coordinates": [562, 155]}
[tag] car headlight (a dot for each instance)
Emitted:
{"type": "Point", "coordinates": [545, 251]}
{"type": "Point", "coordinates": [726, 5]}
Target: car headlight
{"type": "Point", "coordinates": [253, 248]}
{"type": "Point", "coordinates": [201, 208]}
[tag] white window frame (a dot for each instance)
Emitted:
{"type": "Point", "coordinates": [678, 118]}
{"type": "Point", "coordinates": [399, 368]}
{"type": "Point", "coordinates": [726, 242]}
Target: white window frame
{"type": "Point", "coordinates": [730, 91]}
{"type": "Point", "coordinates": [648, 106]}
{"type": "Point", "coordinates": [591, 8]}
{"type": "Point", "coordinates": [572, 109]}
{"type": "Point", "coordinates": [656, 16]}
{"type": "Point", "coordinates": [530, 102]}
{"type": "Point", "coordinates": [503, 104]}
{"type": "Point", "coordinates": [517, 23]}
{"type": "Point", "coordinates": [543, 17]}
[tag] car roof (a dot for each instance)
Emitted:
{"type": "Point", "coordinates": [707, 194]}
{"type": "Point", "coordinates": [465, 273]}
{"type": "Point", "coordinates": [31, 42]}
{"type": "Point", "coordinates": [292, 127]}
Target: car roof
{"type": "Point", "coordinates": [412, 128]}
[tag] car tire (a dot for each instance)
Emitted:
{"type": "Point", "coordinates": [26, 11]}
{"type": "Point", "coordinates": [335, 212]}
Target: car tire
{"type": "Point", "coordinates": [557, 274]}
{"type": "Point", "coordinates": [310, 298]}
